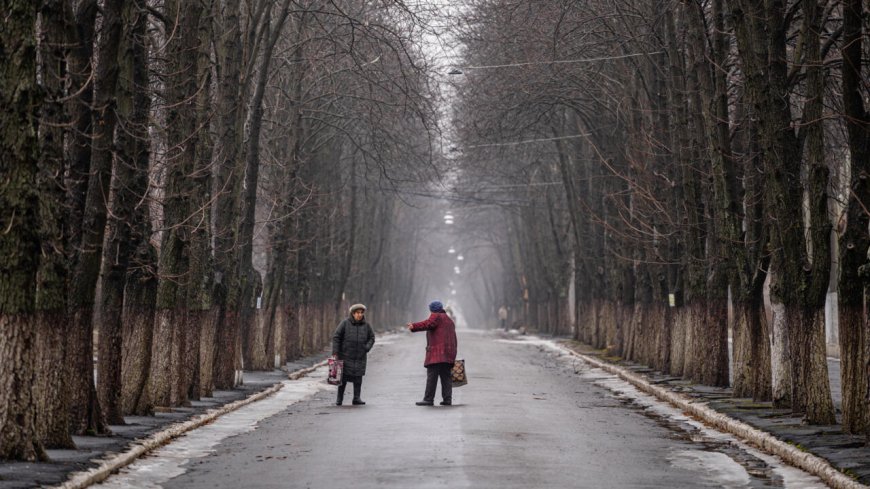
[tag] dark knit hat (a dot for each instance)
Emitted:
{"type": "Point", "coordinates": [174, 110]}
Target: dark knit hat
{"type": "Point", "coordinates": [436, 306]}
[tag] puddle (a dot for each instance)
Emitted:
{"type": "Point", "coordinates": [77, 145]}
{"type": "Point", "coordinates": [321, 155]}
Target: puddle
{"type": "Point", "coordinates": [717, 467]}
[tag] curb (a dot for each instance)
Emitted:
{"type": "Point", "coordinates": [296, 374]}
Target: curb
{"type": "Point", "coordinates": [765, 441]}
{"type": "Point", "coordinates": [80, 480]}
{"type": "Point", "coordinates": [305, 371]}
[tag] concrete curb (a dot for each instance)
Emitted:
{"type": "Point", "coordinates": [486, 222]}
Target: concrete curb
{"type": "Point", "coordinates": [79, 480]}
{"type": "Point", "coordinates": [305, 371]}
{"type": "Point", "coordinates": [760, 439]}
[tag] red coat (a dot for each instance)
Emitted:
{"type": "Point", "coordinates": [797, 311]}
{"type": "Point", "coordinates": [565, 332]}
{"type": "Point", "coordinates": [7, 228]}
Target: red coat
{"type": "Point", "coordinates": [440, 338]}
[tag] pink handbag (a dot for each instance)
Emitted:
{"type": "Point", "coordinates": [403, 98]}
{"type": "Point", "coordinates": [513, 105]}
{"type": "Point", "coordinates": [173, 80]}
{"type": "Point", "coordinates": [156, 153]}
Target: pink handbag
{"type": "Point", "coordinates": [335, 369]}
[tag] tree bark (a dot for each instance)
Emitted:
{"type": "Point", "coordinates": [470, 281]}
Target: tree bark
{"type": "Point", "coordinates": [263, 334]}
{"type": "Point", "coordinates": [129, 185]}
{"type": "Point", "coordinates": [81, 18]}
{"type": "Point", "coordinates": [86, 416]}
{"type": "Point", "coordinates": [52, 324]}
{"type": "Point", "coordinates": [19, 242]}
{"type": "Point", "coordinates": [229, 170]}
{"type": "Point", "coordinates": [200, 301]}
{"type": "Point", "coordinates": [167, 380]}
{"type": "Point", "coordinates": [854, 241]}
{"type": "Point", "coordinates": [140, 295]}
{"type": "Point", "coordinates": [801, 257]}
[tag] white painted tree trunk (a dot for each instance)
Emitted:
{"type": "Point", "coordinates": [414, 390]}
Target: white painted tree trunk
{"type": "Point", "coordinates": [779, 366]}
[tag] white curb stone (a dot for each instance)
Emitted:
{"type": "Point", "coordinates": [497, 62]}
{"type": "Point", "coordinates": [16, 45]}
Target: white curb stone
{"type": "Point", "coordinates": [766, 442]}
{"type": "Point", "coordinates": [107, 467]}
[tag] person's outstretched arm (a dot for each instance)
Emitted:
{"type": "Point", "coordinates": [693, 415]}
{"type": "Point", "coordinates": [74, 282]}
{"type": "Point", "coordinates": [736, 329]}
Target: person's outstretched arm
{"type": "Point", "coordinates": [423, 325]}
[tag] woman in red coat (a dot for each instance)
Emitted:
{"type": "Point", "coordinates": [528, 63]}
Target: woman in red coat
{"type": "Point", "coordinates": [440, 353]}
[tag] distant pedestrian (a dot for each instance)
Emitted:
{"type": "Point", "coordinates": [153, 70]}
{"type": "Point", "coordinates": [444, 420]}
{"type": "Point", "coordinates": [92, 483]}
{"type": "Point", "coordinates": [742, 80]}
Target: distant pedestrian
{"type": "Point", "coordinates": [502, 317]}
{"type": "Point", "coordinates": [351, 343]}
{"type": "Point", "coordinates": [441, 345]}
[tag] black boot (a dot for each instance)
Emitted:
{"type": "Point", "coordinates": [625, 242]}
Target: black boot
{"type": "Point", "coordinates": [357, 388]}
{"type": "Point", "coordinates": [340, 398]}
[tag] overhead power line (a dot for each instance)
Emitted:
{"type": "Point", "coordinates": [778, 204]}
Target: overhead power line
{"type": "Point", "coordinates": [526, 141]}
{"type": "Point", "coordinates": [558, 61]}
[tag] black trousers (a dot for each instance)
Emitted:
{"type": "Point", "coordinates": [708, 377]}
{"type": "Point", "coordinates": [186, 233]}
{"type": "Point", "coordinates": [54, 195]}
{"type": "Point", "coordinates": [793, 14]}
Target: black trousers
{"type": "Point", "coordinates": [356, 380]}
{"type": "Point", "coordinates": [433, 372]}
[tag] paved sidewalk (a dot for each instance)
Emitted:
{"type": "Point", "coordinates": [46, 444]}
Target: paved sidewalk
{"type": "Point", "coordinates": [848, 453]}
{"type": "Point", "coordinates": [15, 475]}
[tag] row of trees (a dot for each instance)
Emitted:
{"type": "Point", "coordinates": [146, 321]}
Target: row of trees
{"type": "Point", "coordinates": [202, 183]}
{"type": "Point", "coordinates": [672, 157]}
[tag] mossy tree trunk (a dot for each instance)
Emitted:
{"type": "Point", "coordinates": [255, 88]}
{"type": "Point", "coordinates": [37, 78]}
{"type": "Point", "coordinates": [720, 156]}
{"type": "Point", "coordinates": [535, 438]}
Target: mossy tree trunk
{"type": "Point", "coordinates": [229, 169]}
{"type": "Point", "coordinates": [52, 322]}
{"type": "Point", "coordinates": [20, 96]}
{"type": "Point", "coordinates": [128, 188]}
{"type": "Point", "coordinates": [86, 416]}
{"type": "Point", "coordinates": [854, 240]}
{"type": "Point", "coordinates": [801, 253]}
{"type": "Point", "coordinates": [80, 17]}
{"type": "Point", "coordinates": [202, 315]}
{"type": "Point", "coordinates": [167, 386]}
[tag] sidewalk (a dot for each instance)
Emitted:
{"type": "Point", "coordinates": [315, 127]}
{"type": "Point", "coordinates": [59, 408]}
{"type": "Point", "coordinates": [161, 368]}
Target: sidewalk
{"type": "Point", "coordinates": [850, 454]}
{"type": "Point", "coordinates": [91, 449]}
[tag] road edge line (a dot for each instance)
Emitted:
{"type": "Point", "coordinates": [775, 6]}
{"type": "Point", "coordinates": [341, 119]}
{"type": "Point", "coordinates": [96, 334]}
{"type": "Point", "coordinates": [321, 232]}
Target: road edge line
{"type": "Point", "coordinates": [83, 479]}
{"type": "Point", "coordinates": [808, 462]}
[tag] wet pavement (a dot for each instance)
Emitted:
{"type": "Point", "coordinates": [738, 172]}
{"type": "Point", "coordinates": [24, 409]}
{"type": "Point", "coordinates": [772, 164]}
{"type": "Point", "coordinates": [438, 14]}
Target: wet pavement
{"type": "Point", "coordinates": [848, 453]}
{"type": "Point", "coordinates": [15, 475]}
{"type": "Point", "coordinates": [531, 416]}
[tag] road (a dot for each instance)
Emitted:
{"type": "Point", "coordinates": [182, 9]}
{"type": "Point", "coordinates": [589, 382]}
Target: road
{"type": "Point", "coordinates": [530, 417]}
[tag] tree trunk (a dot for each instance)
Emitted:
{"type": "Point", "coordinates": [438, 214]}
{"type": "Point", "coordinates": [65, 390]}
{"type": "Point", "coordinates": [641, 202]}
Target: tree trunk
{"type": "Point", "coordinates": [81, 17]}
{"type": "Point", "coordinates": [52, 323]}
{"type": "Point", "coordinates": [208, 343]}
{"type": "Point", "coordinates": [202, 312]}
{"type": "Point", "coordinates": [257, 339]}
{"type": "Point", "coordinates": [229, 169]}
{"type": "Point", "coordinates": [854, 240]}
{"type": "Point", "coordinates": [751, 351]}
{"type": "Point", "coordinates": [86, 415]}
{"type": "Point", "coordinates": [167, 322]}
{"type": "Point", "coordinates": [168, 377]}
{"type": "Point", "coordinates": [129, 185]}
{"type": "Point", "coordinates": [79, 57]}
{"type": "Point", "coordinates": [801, 257]}
{"type": "Point", "coordinates": [810, 391]}
{"type": "Point", "coordinates": [140, 295]}
{"type": "Point", "coordinates": [19, 242]}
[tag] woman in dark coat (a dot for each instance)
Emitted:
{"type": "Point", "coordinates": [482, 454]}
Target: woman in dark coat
{"type": "Point", "coordinates": [441, 345]}
{"type": "Point", "coordinates": [351, 343]}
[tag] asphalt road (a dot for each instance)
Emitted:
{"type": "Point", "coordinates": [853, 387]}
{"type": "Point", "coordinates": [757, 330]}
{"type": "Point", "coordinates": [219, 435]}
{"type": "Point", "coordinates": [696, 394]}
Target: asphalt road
{"type": "Point", "coordinates": [529, 418]}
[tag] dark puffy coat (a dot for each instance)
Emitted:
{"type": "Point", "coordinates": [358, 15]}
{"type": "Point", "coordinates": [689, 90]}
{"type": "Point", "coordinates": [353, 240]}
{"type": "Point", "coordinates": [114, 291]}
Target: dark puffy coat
{"type": "Point", "coordinates": [440, 338]}
{"type": "Point", "coordinates": [351, 343]}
